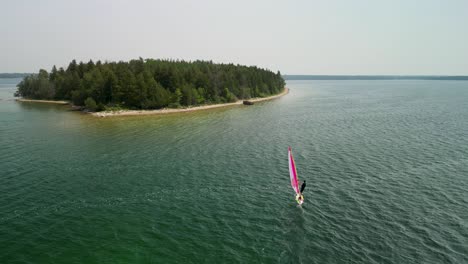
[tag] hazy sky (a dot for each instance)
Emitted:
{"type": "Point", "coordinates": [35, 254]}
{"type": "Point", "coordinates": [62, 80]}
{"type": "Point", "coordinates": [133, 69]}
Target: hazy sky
{"type": "Point", "coordinates": [295, 37]}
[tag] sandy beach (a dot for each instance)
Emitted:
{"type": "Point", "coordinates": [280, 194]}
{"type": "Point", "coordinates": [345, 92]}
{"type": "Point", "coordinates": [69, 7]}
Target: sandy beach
{"type": "Point", "coordinates": [42, 101]}
{"type": "Point", "coordinates": [181, 110]}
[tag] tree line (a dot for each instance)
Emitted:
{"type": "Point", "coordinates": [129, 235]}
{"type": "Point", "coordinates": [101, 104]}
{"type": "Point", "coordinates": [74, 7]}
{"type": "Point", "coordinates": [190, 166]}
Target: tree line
{"type": "Point", "coordinates": [150, 84]}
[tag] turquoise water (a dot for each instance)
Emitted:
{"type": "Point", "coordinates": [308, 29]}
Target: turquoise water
{"type": "Point", "coordinates": [386, 164]}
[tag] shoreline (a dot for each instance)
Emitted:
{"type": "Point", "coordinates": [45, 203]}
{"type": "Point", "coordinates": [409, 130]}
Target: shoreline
{"type": "Point", "coordinates": [182, 110]}
{"type": "Point", "coordinates": [42, 101]}
{"type": "Point", "coordinates": [157, 111]}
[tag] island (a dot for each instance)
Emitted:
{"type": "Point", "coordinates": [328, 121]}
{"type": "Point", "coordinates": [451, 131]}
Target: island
{"type": "Point", "coordinates": [150, 84]}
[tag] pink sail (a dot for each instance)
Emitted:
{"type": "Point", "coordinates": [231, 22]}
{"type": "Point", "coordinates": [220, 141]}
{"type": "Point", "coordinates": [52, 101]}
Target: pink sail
{"type": "Point", "coordinates": [293, 172]}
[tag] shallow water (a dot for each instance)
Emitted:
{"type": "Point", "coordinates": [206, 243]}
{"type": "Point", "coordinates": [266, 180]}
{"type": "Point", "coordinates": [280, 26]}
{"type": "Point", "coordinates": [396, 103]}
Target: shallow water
{"type": "Point", "coordinates": [386, 164]}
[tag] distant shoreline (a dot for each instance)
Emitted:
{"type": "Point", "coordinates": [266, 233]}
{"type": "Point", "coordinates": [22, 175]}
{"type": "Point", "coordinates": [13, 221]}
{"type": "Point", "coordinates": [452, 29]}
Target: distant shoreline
{"type": "Point", "coordinates": [158, 111]}
{"type": "Point", "coordinates": [182, 110]}
{"type": "Point", "coordinates": [298, 77]}
{"type": "Point", "coordinates": [14, 75]}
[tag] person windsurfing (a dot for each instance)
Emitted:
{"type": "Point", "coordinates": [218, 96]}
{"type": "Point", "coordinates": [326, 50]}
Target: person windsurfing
{"type": "Point", "coordinates": [303, 186]}
{"type": "Point", "coordinates": [299, 196]}
{"type": "Point", "coordinates": [294, 180]}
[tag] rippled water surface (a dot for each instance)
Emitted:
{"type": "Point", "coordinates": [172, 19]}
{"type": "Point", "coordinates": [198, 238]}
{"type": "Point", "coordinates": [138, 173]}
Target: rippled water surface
{"type": "Point", "coordinates": [386, 164]}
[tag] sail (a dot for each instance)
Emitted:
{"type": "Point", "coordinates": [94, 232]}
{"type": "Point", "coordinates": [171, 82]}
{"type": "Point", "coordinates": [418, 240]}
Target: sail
{"type": "Point", "coordinates": [293, 172]}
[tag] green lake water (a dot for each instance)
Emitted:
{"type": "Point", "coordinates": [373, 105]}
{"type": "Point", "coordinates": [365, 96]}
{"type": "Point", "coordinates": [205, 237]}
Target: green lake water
{"type": "Point", "coordinates": [386, 164]}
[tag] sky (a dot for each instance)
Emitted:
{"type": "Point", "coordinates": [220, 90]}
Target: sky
{"type": "Point", "coordinates": [370, 37]}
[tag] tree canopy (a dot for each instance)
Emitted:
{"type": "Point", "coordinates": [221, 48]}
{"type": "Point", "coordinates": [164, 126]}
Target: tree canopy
{"type": "Point", "coordinates": [150, 84]}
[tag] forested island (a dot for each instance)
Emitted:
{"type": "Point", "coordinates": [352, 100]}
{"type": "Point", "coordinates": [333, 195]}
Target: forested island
{"type": "Point", "coordinates": [150, 84]}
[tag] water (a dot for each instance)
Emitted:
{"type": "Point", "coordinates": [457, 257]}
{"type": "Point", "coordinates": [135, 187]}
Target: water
{"type": "Point", "coordinates": [386, 164]}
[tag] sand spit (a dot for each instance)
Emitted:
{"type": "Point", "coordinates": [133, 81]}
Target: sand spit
{"type": "Point", "coordinates": [181, 110]}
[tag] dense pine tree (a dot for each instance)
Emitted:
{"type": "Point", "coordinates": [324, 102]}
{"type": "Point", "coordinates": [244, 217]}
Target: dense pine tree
{"type": "Point", "coordinates": [150, 84]}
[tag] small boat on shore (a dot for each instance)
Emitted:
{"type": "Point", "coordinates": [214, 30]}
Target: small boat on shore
{"type": "Point", "coordinates": [247, 102]}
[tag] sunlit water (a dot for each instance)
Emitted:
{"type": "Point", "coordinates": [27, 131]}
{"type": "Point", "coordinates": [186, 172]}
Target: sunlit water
{"type": "Point", "coordinates": [386, 164]}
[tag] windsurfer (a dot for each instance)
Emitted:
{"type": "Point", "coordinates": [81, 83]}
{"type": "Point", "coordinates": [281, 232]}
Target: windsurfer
{"type": "Point", "coordinates": [294, 181]}
{"type": "Point", "coordinates": [303, 186]}
{"type": "Point", "coordinates": [299, 196]}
